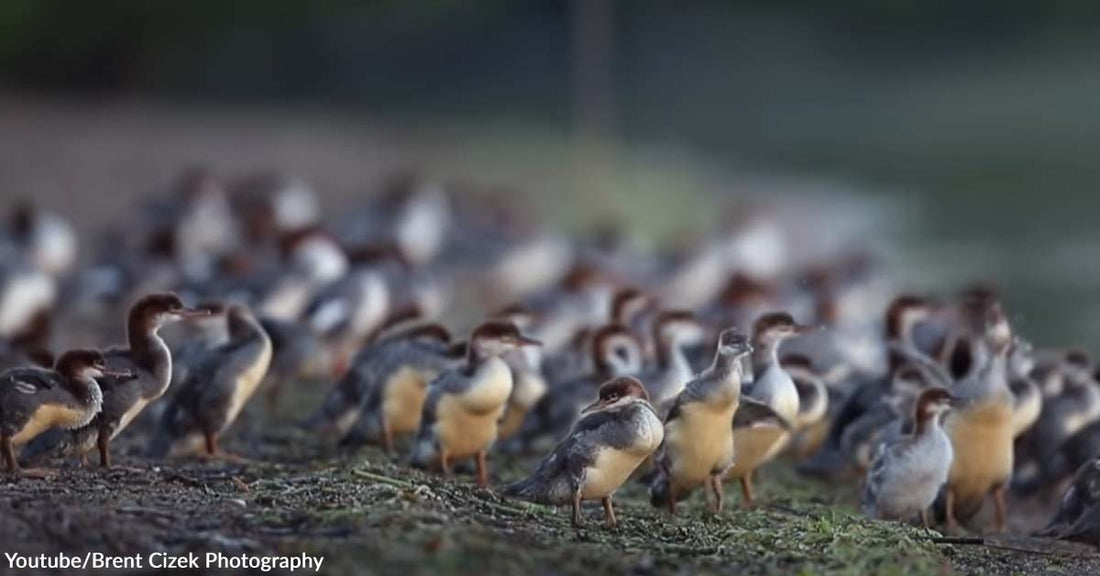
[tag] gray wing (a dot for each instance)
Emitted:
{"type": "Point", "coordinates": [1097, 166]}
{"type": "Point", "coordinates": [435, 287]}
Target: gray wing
{"type": "Point", "coordinates": [752, 413]}
{"type": "Point", "coordinates": [560, 474]}
{"type": "Point", "coordinates": [29, 380]}
{"type": "Point", "coordinates": [449, 382]}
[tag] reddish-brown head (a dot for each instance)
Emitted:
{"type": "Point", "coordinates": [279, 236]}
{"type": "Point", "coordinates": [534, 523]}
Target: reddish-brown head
{"type": "Point", "coordinates": [903, 312]}
{"type": "Point", "coordinates": [777, 326]}
{"type": "Point", "coordinates": [628, 303]}
{"type": "Point", "coordinates": [86, 364]}
{"type": "Point", "coordinates": [156, 309]}
{"type": "Point", "coordinates": [497, 336]}
{"type": "Point", "coordinates": [616, 349]}
{"type": "Point", "coordinates": [931, 403]}
{"type": "Point", "coordinates": [617, 392]}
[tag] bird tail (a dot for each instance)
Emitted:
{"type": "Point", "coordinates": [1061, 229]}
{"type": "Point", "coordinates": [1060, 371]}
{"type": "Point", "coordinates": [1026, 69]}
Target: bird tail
{"type": "Point", "coordinates": [335, 412]}
{"type": "Point", "coordinates": [366, 430]}
{"type": "Point", "coordinates": [424, 451]}
{"type": "Point", "coordinates": [659, 491]}
{"type": "Point", "coordinates": [58, 443]}
{"type": "Point", "coordinates": [531, 489]}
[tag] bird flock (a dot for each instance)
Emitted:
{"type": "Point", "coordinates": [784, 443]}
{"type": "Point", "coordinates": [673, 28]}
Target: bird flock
{"type": "Point", "coordinates": [678, 367]}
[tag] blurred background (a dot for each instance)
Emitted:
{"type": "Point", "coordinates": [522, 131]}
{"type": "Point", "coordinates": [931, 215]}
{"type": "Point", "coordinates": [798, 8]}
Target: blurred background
{"type": "Point", "coordinates": [965, 134]}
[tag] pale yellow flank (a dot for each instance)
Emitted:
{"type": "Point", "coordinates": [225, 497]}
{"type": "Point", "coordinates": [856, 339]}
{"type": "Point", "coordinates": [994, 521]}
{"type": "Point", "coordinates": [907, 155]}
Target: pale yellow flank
{"type": "Point", "coordinates": [247, 383]}
{"type": "Point", "coordinates": [404, 396]}
{"type": "Point", "coordinates": [756, 446]}
{"type": "Point", "coordinates": [982, 439]}
{"type": "Point", "coordinates": [46, 417]}
{"type": "Point", "coordinates": [700, 440]}
{"type": "Point", "coordinates": [467, 423]}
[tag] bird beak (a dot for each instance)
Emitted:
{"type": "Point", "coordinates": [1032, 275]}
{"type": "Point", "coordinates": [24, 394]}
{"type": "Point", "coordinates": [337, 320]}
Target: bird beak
{"type": "Point", "coordinates": [528, 341]}
{"type": "Point", "coordinates": [120, 374]}
{"type": "Point", "coordinates": [593, 406]}
{"type": "Point", "coordinates": [804, 328]}
{"type": "Point", "coordinates": [193, 313]}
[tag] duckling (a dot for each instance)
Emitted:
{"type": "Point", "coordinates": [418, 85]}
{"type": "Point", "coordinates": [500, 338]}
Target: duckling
{"type": "Point", "coordinates": [908, 472]}
{"type": "Point", "coordinates": [981, 429]}
{"type": "Point", "coordinates": [672, 330]}
{"type": "Point", "coordinates": [297, 354]}
{"type": "Point", "coordinates": [464, 405]}
{"type": "Point", "coordinates": [615, 434]}
{"type": "Point", "coordinates": [33, 400]}
{"type": "Point", "coordinates": [147, 357]}
{"type": "Point", "coordinates": [835, 458]}
{"type": "Point", "coordinates": [382, 395]}
{"type": "Point", "coordinates": [615, 351]}
{"type": "Point", "coordinates": [216, 390]}
{"type": "Point", "coordinates": [1028, 397]}
{"type": "Point", "coordinates": [346, 312]}
{"type": "Point", "coordinates": [392, 381]}
{"type": "Point", "coordinates": [698, 447]}
{"type": "Point", "coordinates": [1078, 516]}
{"type": "Point", "coordinates": [814, 398]}
{"type": "Point", "coordinates": [529, 385]}
{"type": "Point", "coordinates": [773, 388]}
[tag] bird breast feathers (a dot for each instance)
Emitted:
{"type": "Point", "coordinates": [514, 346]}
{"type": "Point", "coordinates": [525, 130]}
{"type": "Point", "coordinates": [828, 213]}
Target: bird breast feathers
{"type": "Point", "coordinates": [489, 387]}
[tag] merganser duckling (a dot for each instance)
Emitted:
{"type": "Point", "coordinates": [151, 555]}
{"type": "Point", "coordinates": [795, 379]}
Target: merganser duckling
{"type": "Point", "coordinates": [529, 385]}
{"type": "Point", "coordinates": [615, 434]}
{"type": "Point", "coordinates": [312, 258]}
{"type": "Point", "coordinates": [26, 294]}
{"type": "Point", "coordinates": [147, 357]}
{"type": "Point", "coordinates": [771, 387]}
{"type": "Point", "coordinates": [201, 336]}
{"type": "Point", "coordinates": [297, 354]}
{"type": "Point", "coordinates": [698, 447]}
{"type": "Point", "coordinates": [889, 418]}
{"type": "Point", "coordinates": [1029, 398]}
{"type": "Point", "coordinates": [382, 395]}
{"type": "Point", "coordinates": [1078, 516]}
{"type": "Point", "coordinates": [672, 331]}
{"type": "Point", "coordinates": [1072, 405]}
{"type": "Point", "coordinates": [464, 405]}
{"type": "Point", "coordinates": [347, 311]}
{"type": "Point", "coordinates": [204, 228]}
{"type": "Point", "coordinates": [615, 351]}
{"type": "Point", "coordinates": [981, 429]}
{"type": "Point", "coordinates": [814, 398]}
{"type": "Point", "coordinates": [45, 239]}
{"type": "Point", "coordinates": [216, 389]}
{"type": "Point", "coordinates": [33, 400]}
{"type": "Point", "coordinates": [907, 473]}
{"type": "Point", "coordinates": [902, 317]}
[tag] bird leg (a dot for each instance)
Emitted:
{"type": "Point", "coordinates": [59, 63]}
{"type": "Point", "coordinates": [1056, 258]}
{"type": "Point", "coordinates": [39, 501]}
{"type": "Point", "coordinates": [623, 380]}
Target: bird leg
{"type": "Point", "coordinates": [577, 520]}
{"type": "Point", "coordinates": [103, 442]}
{"type": "Point", "coordinates": [445, 463]}
{"type": "Point", "coordinates": [950, 523]}
{"type": "Point", "coordinates": [482, 470]}
{"type": "Point", "coordinates": [924, 519]}
{"type": "Point", "coordinates": [274, 390]}
{"type": "Point", "coordinates": [671, 498]}
{"type": "Point", "coordinates": [999, 508]}
{"type": "Point", "coordinates": [608, 511]}
{"type": "Point", "coordinates": [747, 499]}
{"type": "Point", "coordinates": [716, 486]}
{"type": "Point", "coordinates": [9, 454]}
{"type": "Point", "coordinates": [387, 437]}
{"type": "Point", "coordinates": [211, 441]}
